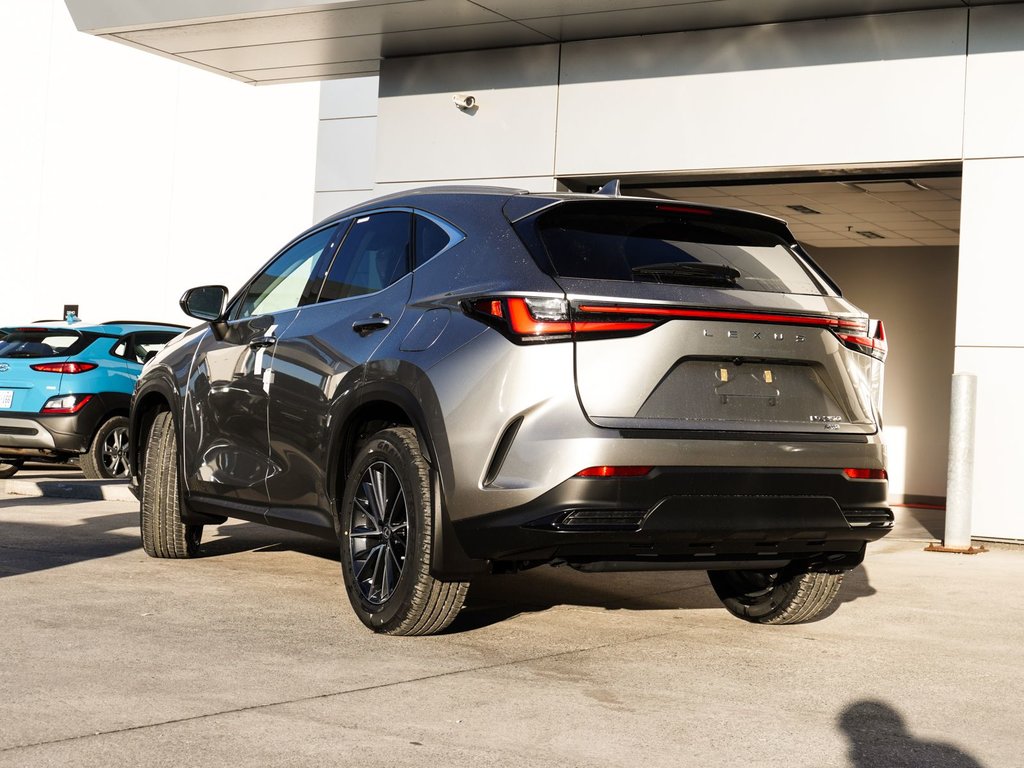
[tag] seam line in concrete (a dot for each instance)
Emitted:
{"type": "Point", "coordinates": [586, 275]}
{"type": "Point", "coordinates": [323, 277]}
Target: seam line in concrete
{"type": "Point", "coordinates": [333, 694]}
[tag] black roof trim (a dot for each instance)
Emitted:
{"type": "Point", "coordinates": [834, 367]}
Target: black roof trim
{"type": "Point", "coordinates": [143, 322]}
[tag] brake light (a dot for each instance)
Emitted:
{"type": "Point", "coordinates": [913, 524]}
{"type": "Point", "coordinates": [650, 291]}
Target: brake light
{"type": "Point", "coordinates": [546, 319]}
{"type": "Point", "coordinates": [684, 209]}
{"type": "Point", "coordinates": [605, 471]}
{"type": "Point", "coordinates": [66, 403]}
{"type": "Point", "coordinates": [865, 474]}
{"type": "Point", "coordinates": [869, 340]}
{"type": "Point", "coordinates": [63, 367]}
{"type": "Point", "coordinates": [538, 317]}
{"type": "Point", "coordinates": [867, 336]}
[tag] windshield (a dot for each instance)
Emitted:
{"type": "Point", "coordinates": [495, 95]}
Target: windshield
{"type": "Point", "coordinates": [646, 242]}
{"type": "Point", "coordinates": [42, 343]}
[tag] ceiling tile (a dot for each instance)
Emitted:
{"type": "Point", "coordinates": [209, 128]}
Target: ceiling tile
{"type": "Point", "coordinates": [335, 50]}
{"type": "Point", "coordinates": [319, 25]}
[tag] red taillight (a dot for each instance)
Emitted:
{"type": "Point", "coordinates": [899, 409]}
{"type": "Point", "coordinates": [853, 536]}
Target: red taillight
{"type": "Point", "coordinates": [546, 319]}
{"type": "Point", "coordinates": [869, 340]}
{"type": "Point", "coordinates": [523, 322]}
{"type": "Point", "coordinates": [605, 471]}
{"type": "Point", "coordinates": [865, 474]}
{"type": "Point", "coordinates": [63, 367]}
{"type": "Point", "coordinates": [721, 314]}
{"type": "Point", "coordinates": [66, 403]}
{"type": "Point", "coordinates": [684, 209]}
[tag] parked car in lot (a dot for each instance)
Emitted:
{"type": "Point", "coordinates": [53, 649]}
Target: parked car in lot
{"type": "Point", "coordinates": [65, 390]}
{"type": "Point", "coordinates": [461, 380]}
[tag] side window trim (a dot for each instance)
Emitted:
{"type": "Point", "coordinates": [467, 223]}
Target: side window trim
{"type": "Point", "coordinates": [455, 235]}
{"type": "Point", "coordinates": [323, 265]}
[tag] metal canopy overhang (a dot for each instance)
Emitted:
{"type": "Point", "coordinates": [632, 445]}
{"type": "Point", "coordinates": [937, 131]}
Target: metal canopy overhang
{"type": "Point", "coordinates": [268, 41]}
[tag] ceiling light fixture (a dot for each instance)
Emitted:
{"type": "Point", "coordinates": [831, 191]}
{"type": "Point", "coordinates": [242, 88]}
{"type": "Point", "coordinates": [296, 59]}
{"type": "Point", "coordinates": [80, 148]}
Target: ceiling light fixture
{"type": "Point", "coordinates": [868, 234]}
{"type": "Point", "coordinates": [892, 185]}
{"type": "Point", "coordinates": [802, 209]}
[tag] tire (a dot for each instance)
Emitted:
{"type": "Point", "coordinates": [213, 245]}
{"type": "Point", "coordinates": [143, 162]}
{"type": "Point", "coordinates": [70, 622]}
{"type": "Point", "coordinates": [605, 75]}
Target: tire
{"type": "Point", "coordinates": [385, 555]}
{"type": "Point", "coordinates": [776, 597]}
{"type": "Point", "coordinates": [107, 457]}
{"type": "Point", "coordinates": [163, 533]}
{"type": "Point", "coordinates": [9, 468]}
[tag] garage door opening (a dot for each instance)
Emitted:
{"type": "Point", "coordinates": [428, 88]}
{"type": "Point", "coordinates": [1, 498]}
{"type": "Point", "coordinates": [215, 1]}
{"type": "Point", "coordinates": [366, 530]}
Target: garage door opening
{"type": "Point", "coordinates": [892, 245]}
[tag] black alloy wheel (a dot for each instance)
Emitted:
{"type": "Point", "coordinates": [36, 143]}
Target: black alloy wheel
{"type": "Point", "coordinates": [387, 539]}
{"type": "Point", "coordinates": [379, 537]}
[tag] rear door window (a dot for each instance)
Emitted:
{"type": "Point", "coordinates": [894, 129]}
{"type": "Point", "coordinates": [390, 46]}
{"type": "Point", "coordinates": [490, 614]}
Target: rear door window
{"type": "Point", "coordinates": [375, 254]}
{"type": "Point", "coordinates": [644, 242]}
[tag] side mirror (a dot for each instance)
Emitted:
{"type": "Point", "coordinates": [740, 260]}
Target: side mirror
{"type": "Point", "coordinates": [207, 302]}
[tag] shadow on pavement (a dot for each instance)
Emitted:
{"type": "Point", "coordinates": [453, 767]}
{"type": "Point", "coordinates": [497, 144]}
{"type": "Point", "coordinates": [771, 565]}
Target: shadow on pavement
{"type": "Point", "coordinates": [856, 585]}
{"type": "Point", "coordinates": [234, 537]}
{"type": "Point", "coordinates": [919, 522]}
{"type": "Point", "coordinates": [879, 738]}
{"type": "Point", "coordinates": [28, 547]}
{"type": "Point", "coordinates": [493, 599]}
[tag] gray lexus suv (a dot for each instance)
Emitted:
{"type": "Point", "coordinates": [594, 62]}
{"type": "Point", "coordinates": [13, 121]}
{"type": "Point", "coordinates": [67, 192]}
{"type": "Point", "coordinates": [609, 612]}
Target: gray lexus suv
{"type": "Point", "coordinates": [454, 381]}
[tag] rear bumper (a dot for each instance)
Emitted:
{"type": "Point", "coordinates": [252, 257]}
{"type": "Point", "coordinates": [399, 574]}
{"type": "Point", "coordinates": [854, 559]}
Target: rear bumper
{"type": "Point", "coordinates": [45, 435]}
{"type": "Point", "coordinates": [691, 515]}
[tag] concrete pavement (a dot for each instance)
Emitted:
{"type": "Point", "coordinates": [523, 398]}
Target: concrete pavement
{"type": "Point", "coordinates": [249, 655]}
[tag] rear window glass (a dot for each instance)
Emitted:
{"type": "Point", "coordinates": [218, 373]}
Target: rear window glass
{"type": "Point", "coordinates": [42, 344]}
{"type": "Point", "coordinates": [669, 244]}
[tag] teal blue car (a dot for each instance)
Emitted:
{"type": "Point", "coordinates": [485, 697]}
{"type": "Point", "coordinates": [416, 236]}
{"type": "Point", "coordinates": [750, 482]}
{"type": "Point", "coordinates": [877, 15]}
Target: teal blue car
{"type": "Point", "coordinates": [65, 391]}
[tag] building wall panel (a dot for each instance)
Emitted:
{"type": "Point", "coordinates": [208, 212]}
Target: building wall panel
{"type": "Point", "coordinates": [424, 137]}
{"type": "Point", "coordinates": [994, 117]}
{"type": "Point", "coordinates": [872, 89]}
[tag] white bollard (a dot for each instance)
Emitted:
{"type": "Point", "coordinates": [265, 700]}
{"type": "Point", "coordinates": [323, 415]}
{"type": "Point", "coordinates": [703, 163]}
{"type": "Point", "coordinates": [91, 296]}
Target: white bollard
{"type": "Point", "coordinates": [960, 472]}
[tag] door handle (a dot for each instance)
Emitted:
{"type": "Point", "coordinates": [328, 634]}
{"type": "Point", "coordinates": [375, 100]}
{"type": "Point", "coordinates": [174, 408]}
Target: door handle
{"type": "Point", "coordinates": [374, 322]}
{"type": "Point", "coordinates": [262, 342]}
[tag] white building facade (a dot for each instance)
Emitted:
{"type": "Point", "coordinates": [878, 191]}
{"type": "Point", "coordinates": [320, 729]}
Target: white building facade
{"type": "Point", "coordinates": [890, 135]}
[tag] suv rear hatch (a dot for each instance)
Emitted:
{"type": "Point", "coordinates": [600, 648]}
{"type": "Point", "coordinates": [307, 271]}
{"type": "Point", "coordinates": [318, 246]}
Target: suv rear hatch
{"type": "Point", "coordinates": [24, 387]}
{"type": "Point", "coordinates": [693, 318]}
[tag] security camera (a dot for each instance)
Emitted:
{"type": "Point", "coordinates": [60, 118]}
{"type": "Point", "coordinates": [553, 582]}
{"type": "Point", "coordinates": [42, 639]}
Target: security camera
{"type": "Point", "coordinates": [464, 101]}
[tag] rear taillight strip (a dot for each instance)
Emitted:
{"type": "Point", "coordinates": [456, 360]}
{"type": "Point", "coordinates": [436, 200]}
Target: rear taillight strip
{"type": "Point", "coordinates": [722, 314]}
{"type": "Point", "coordinates": [549, 319]}
{"type": "Point", "coordinates": [854, 333]}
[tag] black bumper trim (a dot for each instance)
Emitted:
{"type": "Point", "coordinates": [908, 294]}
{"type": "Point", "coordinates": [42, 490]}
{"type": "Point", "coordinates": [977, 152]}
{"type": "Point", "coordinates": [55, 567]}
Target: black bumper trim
{"type": "Point", "coordinates": [692, 514]}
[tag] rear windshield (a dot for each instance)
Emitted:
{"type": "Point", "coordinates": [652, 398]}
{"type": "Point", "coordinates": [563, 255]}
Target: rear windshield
{"type": "Point", "coordinates": [43, 343]}
{"type": "Point", "coordinates": [670, 244]}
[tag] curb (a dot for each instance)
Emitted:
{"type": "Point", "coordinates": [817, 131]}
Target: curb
{"type": "Point", "coordinates": [86, 490]}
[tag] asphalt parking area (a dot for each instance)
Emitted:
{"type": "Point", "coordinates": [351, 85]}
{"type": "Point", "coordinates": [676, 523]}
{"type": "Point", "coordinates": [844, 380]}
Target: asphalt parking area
{"type": "Point", "coordinates": [250, 655]}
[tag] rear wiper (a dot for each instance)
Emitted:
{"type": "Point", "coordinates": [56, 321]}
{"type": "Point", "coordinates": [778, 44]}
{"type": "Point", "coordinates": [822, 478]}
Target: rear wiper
{"type": "Point", "coordinates": [690, 272]}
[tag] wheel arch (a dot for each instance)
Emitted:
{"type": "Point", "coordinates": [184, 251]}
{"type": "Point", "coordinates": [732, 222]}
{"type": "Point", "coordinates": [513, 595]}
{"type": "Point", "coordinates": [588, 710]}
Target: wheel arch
{"type": "Point", "coordinates": [155, 397]}
{"type": "Point", "coordinates": [373, 408]}
{"type": "Point", "coordinates": [380, 405]}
